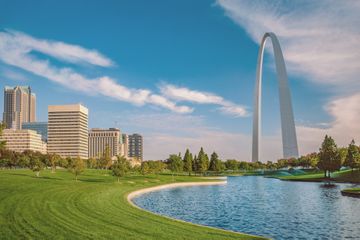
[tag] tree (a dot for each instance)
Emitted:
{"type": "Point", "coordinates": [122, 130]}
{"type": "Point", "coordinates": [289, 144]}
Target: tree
{"type": "Point", "coordinates": [91, 163]}
{"type": "Point", "coordinates": [216, 164]}
{"type": "Point", "coordinates": [2, 143]}
{"type": "Point", "coordinates": [105, 160]}
{"type": "Point", "coordinates": [352, 159]}
{"type": "Point", "coordinates": [188, 162]}
{"type": "Point", "coordinates": [53, 160]}
{"type": "Point", "coordinates": [202, 162]}
{"type": "Point", "coordinates": [145, 168]}
{"type": "Point", "coordinates": [195, 164]}
{"type": "Point", "coordinates": [329, 157]}
{"type": "Point", "coordinates": [120, 167]}
{"type": "Point", "coordinates": [175, 164]}
{"type": "Point", "coordinates": [76, 166]}
{"type": "Point", "coordinates": [35, 164]}
{"type": "Point", "coordinates": [232, 164]}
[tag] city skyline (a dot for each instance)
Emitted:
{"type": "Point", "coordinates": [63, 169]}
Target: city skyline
{"type": "Point", "coordinates": [198, 77]}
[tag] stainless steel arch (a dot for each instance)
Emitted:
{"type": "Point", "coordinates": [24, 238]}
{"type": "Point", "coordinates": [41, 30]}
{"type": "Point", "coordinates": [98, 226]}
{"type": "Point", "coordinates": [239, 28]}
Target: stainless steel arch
{"type": "Point", "coordinates": [290, 147]}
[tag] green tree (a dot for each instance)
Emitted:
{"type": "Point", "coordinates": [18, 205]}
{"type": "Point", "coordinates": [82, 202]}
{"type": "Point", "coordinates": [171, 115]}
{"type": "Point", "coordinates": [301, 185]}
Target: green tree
{"type": "Point", "coordinates": [232, 164]}
{"type": "Point", "coordinates": [105, 160]}
{"type": "Point", "coordinates": [175, 164]}
{"type": "Point", "coordinates": [216, 164]}
{"type": "Point", "coordinates": [54, 161]}
{"type": "Point", "coordinates": [2, 143]}
{"type": "Point", "coordinates": [195, 164]}
{"type": "Point", "coordinates": [76, 166]}
{"type": "Point", "coordinates": [120, 167]}
{"type": "Point", "coordinates": [188, 162]}
{"type": "Point", "coordinates": [91, 163]}
{"type": "Point", "coordinates": [145, 168]}
{"type": "Point", "coordinates": [35, 164]}
{"type": "Point", "coordinates": [243, 166]}
{"type": "Point", "coordinates": [352, 159]}
{"type": "Point", "coordinates": [329, 157]}
{"type": "Point", "coordinates": [203, 162]}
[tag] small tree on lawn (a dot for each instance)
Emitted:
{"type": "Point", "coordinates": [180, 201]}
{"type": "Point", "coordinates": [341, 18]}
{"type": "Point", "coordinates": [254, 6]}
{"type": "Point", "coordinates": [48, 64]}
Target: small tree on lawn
{"type": "Point", "coordinates": [145, 168]}
{"type": "Point", "coordinates": [54, 161]}
{"type": "Point", "coordinates": [188, 162]}
{"type": "Point", "coordinates": [76, 166]}
{"type": "Point", "coordinates": [175, 164]}
{"type": "Point", "coordinates": [35, 164]}
{"type": "Point", "coordinates": [329, 157]}
{"type": "Point", "coordinates": [105, 159]}
{"type": "Point", "coordinates": [120, 167]}
{"type": "Point", "coordinates": [352, 159]}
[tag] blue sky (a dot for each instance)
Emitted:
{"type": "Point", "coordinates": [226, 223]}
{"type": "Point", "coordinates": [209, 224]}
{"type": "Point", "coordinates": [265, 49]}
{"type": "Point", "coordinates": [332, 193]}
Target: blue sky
{"type": "Point", "coordinates": [182, 73]}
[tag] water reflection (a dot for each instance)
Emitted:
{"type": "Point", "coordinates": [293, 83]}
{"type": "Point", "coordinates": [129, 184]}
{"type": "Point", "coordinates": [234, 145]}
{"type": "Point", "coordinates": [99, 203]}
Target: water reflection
{"type": "Point", "coordinates": [263, 206]}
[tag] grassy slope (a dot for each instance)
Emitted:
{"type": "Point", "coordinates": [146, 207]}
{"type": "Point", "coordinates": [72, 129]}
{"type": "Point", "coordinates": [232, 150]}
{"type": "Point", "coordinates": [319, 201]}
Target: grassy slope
{"type": "Point", "coordinates": [341, 176]}
{"type": "Point", "coordinates": [54, 206]}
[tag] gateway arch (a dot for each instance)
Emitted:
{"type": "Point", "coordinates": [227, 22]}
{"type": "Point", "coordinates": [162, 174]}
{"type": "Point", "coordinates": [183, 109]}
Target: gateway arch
{"type": "Point", "coordinates": [290, 147]}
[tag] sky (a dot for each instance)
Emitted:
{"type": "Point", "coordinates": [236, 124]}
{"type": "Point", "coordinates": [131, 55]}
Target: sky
{"type": "Point", "coordinates": [182, 73]}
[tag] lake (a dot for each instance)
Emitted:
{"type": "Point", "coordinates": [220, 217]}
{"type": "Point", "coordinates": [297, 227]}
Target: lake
{"type": "Point", "coordinates": [263, 206]}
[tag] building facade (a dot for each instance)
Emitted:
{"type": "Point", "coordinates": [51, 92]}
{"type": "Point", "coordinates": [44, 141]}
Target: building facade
{"type": "Point", "coordinates": [19, 106]}
{"type": "Point", "coordinates": [19, 140]}
{"type": "Point", "coordinates": [135, 149]}
{"type": "Point", "coordinates": [99, 139]}
{"type": "Point", "coordinates": [68, 130]}
{"type": "Point", "coordinates": [40, 127]}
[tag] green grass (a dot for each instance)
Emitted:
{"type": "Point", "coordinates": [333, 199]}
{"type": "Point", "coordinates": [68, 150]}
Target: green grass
{"type": "Point", "coordinates": [352, 190]}
{"type": "Point", "coordinates": [54, 206]}
{"type": "Point", "coordinates": [340, 176]}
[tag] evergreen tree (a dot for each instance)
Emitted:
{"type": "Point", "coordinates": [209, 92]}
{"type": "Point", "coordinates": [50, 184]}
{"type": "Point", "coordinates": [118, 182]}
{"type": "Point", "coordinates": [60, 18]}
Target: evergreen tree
{"type": "Point", "coordinates": [329, 157]}
{"type": "Point", "coordinates": [216, 164]}
{"type": "Point", "coordinates": [203, 161]}
{"type": "Point", "coordinates": [352, 159]}
{"type": "Point", "coordinates": [195, 164]}
{"type": "Point", "coordinates": [188, 162]}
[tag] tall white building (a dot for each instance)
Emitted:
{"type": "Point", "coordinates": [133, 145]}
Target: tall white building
{"type": "Point", "coordinates": [20, 140]}
{"type": "Point", "coordinates": [99, 139]}
{"type": "Point", "coordinates": [19, 106]}
{"type": "Point", "coordinates": [68, 130]}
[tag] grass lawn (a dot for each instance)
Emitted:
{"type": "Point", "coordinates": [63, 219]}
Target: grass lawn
{"type": "Point", "coordinates": [54, 206]}
{"type": "Point", "coordinates": [340, 176]}
{"type": "Point", "coordinates": [355, 192]}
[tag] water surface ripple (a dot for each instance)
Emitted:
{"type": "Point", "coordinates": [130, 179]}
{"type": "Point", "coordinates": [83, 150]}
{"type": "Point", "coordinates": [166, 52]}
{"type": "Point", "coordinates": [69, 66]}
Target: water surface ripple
{"type": "Point", "coordinates": [263, 206]}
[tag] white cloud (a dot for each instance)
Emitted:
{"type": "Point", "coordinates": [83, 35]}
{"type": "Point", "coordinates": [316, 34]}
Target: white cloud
{"type": "Point", "coordinates": [185, 94]}
{"type": "Point", "coordinates": [59, 50]}
{"type": "Point", "coordinates": [16, 48]}
{"type": "Point", "coordinates": [321, 42]}
{"type": "Point", "coordinates": [320, 39]}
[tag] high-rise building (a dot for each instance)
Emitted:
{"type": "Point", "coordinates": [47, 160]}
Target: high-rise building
{"type": "Point", "coordinates": [99, 139]}
{"type": "Point", "coordinates": [40, 127]}
{"type": "Point", "coordinates": [135, 149]}
{"type": "Point", "coordinates": [20, 140]}
{"type": "Point", "coordinates": [68, 130]}
{"type": "Point", "coordinates": [124, 145]}
{"type": "Point", "coordinates": [19, 106]}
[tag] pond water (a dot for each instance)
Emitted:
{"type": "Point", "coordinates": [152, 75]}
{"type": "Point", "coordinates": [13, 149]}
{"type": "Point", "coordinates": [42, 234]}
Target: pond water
{"type": "Point", "coordinates": [263, 206]}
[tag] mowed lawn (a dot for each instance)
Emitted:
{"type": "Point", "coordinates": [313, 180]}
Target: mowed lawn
{"type": "Point", "coordinates": [54, 206]}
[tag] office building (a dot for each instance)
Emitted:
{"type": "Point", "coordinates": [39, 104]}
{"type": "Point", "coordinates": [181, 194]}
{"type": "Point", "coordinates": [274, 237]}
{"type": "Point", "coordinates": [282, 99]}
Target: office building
{"type": "Point", "coordinates": [19, 106]}
{"type": "Point", "coordinates": [99, 139]}
{"type": "Point", "coordinates": [40, 127]}
{"type": "Point", "coordinates": [68, 130]}
{"type": "Point", "coordinates": [135, 146]}
{"type": "Point", "coordinates": [20, 140]}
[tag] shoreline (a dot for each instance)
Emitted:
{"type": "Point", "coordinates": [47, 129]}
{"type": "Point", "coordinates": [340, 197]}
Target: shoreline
{"type": "Point", "coordinates": [140, 192]}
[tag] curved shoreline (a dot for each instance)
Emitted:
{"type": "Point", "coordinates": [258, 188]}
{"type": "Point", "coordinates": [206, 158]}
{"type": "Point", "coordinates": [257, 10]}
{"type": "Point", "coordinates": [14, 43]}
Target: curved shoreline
{"type": "Point", "coordinates": [140, 192]}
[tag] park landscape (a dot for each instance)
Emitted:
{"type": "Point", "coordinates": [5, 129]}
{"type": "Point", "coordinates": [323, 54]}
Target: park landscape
{"type": "Point", "coordinates": [44, 196]}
